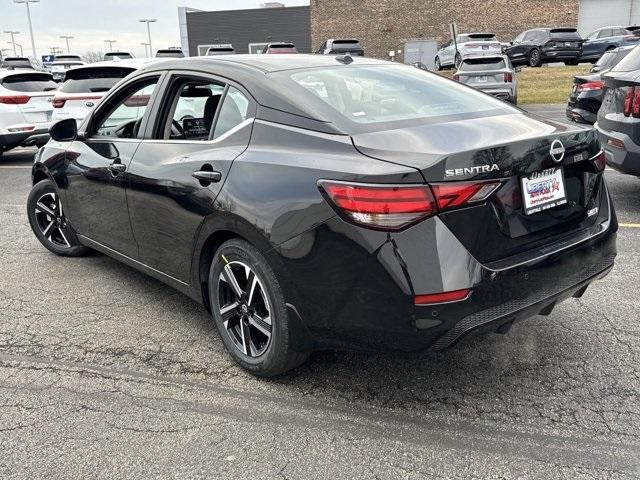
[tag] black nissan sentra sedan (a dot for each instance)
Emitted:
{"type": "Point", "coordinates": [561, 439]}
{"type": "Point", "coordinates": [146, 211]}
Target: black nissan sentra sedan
{"type": "Point", "coordinates": [317, 202]}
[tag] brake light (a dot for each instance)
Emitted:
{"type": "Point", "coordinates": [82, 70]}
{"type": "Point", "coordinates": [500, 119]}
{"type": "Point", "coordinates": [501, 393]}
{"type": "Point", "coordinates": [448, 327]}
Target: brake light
{"type": "Point", "coordinates": [508, 77]}
{"type": "Point", "coordinates": [589, 86]}
{"type": "Point", "coordinates": [58, 102]}
{"type": "Point", "coordinates": [459, 194]}
{"type": "Point", "coordinates": [456, 77]}
{"type": "Point", "coordinates": [444, 297]}
{"type": "Point", "coordinates": [381, 206]}
{"type": "Point", "coordinates": [635, 104]}
{"type": "Point", "coordinates": [628, 99]}
{"type": "Point", "coordinates": [600, 161]}
{"type": "Point", "coordinates": [14, 99]}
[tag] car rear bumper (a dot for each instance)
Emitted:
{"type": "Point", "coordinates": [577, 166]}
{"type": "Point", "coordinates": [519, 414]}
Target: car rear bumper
{"type": "Point", "coordinates": [626, 159]}
{"type": "Point", "coordinates": [37, 137]}
{"type": "Point", "coordinates": [501, 93]}
{"type": "Point", "coordinates": [561, 55]}
{"type": "Point", "coordinates": [372, 278]}
{"type": "Point", "coordinates": [581, 115]}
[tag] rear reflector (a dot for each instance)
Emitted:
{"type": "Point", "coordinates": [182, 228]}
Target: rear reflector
{"type": "Point", "coordinates": [589, 86]}
{"type": "Point", "coordinates": [459, 194]}
{"type": "Point", "coordinates": [615, 143]}
{"type": "Point", "coordinates": [14, 99]}
{"type": "Point", "coordinates": [508, 77]}
{"type": "Point", "coordinates": [28, 128]}
{"type": "Point", "coordinates": [444, 297]}
{"type": "Point", "coordinates": [381, 206]}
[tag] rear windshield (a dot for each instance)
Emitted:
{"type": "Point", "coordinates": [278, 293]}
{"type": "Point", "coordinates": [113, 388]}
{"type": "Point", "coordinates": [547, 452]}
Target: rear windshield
{"type": "Point", "coordinates": [483, 64]}
{"type": "Point", "coordinates": [565, 34]}
{"type": "Point", "coordinates": [117, 54]}
{"type": "Point", "coordinates": [629, 63]}
{"type": "Point", "coordinates": [17, 63]}
{"type": "Point", "coordinates": [66, 57]}
{"type": "Point", "coordinates": [376, 95]}
{"type": "Point", "coordinates": [221, 50]}
{"type": "Point", "coordinates": [31, 82]}
{"type": "Point", "coordinates": [169, 53]}
{"type": "Point", "coordinates": [93, 80]}
{"type": "Point", "coordinates": [476, 37]}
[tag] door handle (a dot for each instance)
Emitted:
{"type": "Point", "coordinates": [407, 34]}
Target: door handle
{"type": "Point", "coordinates": [117, 167]}
{"type": "Point", "coordinates": [206, 176]}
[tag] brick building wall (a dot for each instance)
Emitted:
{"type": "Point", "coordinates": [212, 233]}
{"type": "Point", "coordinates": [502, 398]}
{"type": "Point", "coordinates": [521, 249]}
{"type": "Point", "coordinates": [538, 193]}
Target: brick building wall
{"type": "Point", "coordinates": [383, 25]}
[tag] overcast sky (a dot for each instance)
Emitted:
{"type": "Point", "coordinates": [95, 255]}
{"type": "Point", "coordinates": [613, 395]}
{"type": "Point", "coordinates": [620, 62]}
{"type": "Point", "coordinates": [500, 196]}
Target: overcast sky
{"type": "Point", "coordinates": [93, 21]}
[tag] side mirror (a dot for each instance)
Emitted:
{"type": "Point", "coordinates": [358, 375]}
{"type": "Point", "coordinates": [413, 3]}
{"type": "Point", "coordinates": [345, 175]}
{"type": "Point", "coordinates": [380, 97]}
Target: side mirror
{"type": "Point", "coordinates": [64, 131]}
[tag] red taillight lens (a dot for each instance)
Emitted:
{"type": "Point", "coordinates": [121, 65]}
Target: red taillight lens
{"type": "Point", "coordinates": [58, 102]}
{"type": "Point", "coordinates": [395, 207]}
{"type": "Point", "coordinates": [588, 86]}
{"type": "Point", "coordinates": [508, 77]}
{"type": "Point", "coordinates": [635, 103]}
{"type": "Point", "coordinates": [381, 206]}
{"type": "Point", "coordinates": [459, 194]}
{"type": "Point", "coordinates": [444, 297]}
{"type": "Point", "coordinates": [600, 161]}
{"type": "Point", "coordinates": [14, 99]}
{"type": "Point", "coordinates": [456, 77]}
{"type": "Point", "coordinates": [628, 98]}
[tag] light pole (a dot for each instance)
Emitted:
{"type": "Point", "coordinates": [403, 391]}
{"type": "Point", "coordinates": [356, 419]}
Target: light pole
{"type": "Point", "coordinates": [145, 49]}
{"type": "Point", "coordinates": [20, 47]}
{"type": "Point", "coordinates": [13, 41]}
{"type": "Point", "coordinates": [33, 42]}
{"type": "Point", "coordinates": [67, 38]}
{"type": "Point", "coordinates": [110, 42]}
{"type": "Point", "coordinates": [149, 21]}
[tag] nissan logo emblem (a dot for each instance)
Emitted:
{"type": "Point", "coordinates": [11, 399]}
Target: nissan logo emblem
{"type": "Point", "coordinates": [91, 104]}
{"type": "Point", "coordinates": [557, 151]}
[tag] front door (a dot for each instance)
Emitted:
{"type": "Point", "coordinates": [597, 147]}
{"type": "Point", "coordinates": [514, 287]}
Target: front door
{"type": "Point", "coordinates": [97, 166]}
{"type": "Point", "coordinates": [201, 125]}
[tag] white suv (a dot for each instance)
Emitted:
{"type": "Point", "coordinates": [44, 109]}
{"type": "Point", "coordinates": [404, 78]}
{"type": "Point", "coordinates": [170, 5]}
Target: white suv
{"type": "Point", "coordinates": [85, 86]}
{"type": "Point", "coordinates": [25, 108]}
{"type": "Point", "coordinates": [469, 45]}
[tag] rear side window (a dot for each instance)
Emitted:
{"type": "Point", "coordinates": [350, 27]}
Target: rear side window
{"type": "Point", "coordinates": [482, 64]}
{"type": "Point", "coordinates": [93, 80]}
{"type": "Point", "coordinates": [35, 82]}
{"type": "Point", "coordinates": [234, 111]}
{"type": "Point", "coordinates": [629, 63]}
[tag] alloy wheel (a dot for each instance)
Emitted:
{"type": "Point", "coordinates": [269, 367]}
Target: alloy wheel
{"type": "Point", "coordinates": [244, 308]}
{"type": "Point", "coordinates": [51, 220]}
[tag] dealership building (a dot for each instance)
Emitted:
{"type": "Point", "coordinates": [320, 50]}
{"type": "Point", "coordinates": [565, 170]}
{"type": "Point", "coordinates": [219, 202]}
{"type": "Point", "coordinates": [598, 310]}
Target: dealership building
{"type": "Point", "coordinates": [385, 25]}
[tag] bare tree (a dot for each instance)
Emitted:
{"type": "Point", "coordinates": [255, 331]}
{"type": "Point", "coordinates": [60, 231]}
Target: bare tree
{"type": "Point", "coordinates": [93, 56]}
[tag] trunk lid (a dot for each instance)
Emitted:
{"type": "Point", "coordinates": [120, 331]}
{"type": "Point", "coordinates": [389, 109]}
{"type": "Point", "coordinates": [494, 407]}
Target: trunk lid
{"type": "Point", "coordinates": [611, 114]}
{"type": "Point", "coordinates": [506, 147]}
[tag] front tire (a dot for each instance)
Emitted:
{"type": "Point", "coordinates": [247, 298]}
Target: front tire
{"type": "Point", "coordinates": [438, 64]}
{"type": "Point", "coordinates": [49, 223]}
{"type": "Point", "coordinates": [249, 310]}
{"type": "Point", "coordinates": [535, 58]}
{"type": "Point", "coordinates": [457, 61]}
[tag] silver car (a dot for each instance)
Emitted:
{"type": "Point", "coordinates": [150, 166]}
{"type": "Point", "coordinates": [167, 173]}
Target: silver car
{"type": "Point", "coordinates": [468, 45]}
{"type": "Point", "coordinates": [494, 75]}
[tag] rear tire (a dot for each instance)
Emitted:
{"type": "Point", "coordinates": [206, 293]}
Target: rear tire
{"type": "Point", "coordinates": [251, 316]}
{"type": "Point", "coordinates": [535, 59]}
{"type": "Point", "coordinates": [457, 61]}
{"type": "Point", "coordinates": [49, 224]}
{"type": "Point", "coordinates": [438, 65]}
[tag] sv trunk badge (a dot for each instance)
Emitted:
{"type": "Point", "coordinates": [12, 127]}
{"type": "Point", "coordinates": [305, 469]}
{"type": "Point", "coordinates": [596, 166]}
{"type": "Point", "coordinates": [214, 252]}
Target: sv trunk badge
{"type": "Point", "coordinates": [557, 151]}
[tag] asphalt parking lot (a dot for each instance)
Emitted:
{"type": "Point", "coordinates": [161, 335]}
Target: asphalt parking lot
{"type": "Point", "coordinates": [107, 373]}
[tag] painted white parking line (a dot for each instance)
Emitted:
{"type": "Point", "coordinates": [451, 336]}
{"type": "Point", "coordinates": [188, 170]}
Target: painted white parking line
{"type": "Point", "coordinates": [629, 225]}
{"type": "Point", "coordinates": [7, 167]}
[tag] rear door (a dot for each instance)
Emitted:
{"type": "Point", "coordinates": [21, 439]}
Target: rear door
{"type": "Point", "coordinates": [201, 125]}
{"type": "Point", "coordinates": [97, 164]}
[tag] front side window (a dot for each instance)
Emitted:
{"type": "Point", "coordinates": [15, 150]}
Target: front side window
{"type": "Point", "coordinates": [124, 117]}
{"type": "Point", "coordinates": [234, 111]}
{"type": "Point", "coordinates": [383, 94]}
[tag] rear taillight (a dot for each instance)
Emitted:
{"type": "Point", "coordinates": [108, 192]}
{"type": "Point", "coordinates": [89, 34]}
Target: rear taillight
{"type": "Point", "coordinates": [588, 86]}
{"type": "Point", "coordinates": [381, 206]}
{"type": "Point", "coordinates": [58, 102]}
{"type": "Point", "coordinates": [14, 99]}
{"type": "Point", "coordinates": [599, 161]}
{"type": "Point", "coordinates": [508, 77]}
{"type": "Point", "coordinates": [456, 77]}
{"type": "Point", "coordinates": [550, 44]}
{"type": "Point", "coordinates": [444, 297]}
{"type": "Point", "coordinates": [632, 102]}
{"type": "Point", "coordinates": [631, 37]}
{"type": "Point", "coordinates": [394, 207]}
{"type": "Point", "coordinates": [459, 194]}
{"type": "Point", "coordinates": [628, 100]}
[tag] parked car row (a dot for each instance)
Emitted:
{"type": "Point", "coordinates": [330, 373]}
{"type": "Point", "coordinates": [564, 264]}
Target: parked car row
{"type": "Point", "coordinates": [539, 45]}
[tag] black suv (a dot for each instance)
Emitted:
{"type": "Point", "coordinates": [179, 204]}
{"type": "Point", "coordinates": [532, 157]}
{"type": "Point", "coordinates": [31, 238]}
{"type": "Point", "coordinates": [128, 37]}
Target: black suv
{"type": "Point", "coordinates": [619, 116]}
{"type": "Point", "coordinates": [544, 45]}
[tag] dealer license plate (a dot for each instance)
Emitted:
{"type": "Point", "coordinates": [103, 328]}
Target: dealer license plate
{"type": "Point", "coordinates": [543, 190]}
